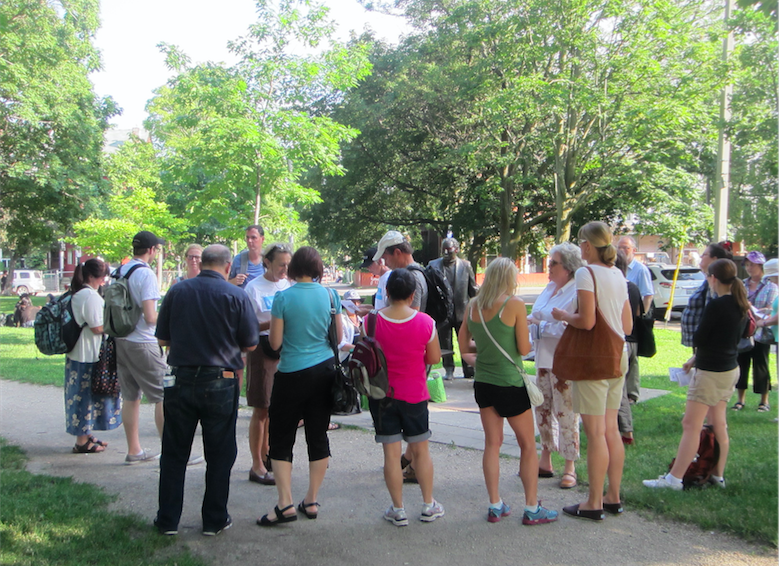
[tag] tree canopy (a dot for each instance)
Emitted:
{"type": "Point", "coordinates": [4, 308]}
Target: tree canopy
{"type": "Point", "coordinates": [51, 122]}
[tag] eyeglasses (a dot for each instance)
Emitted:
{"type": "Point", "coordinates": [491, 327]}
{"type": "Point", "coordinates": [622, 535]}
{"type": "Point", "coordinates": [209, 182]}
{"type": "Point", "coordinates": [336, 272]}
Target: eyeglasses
{"type": "Point", "coordinates": [194, 257]}
{"type": "Point", "coordinates": [552, 263]}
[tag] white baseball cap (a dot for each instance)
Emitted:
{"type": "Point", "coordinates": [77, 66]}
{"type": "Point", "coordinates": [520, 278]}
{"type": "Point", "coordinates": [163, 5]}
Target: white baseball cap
{"type": "Point", "coordinates": [771, 268]}
{"type": "Point", "coordinates": [391, 238]}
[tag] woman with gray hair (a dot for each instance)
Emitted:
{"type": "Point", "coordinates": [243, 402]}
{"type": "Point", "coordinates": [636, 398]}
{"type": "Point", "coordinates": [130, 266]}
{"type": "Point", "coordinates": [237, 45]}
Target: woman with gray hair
{"type": "Point", "coordinates": [557, 421]}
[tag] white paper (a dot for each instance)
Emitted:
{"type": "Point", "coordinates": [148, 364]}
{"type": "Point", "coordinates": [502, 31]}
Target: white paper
{"type": "Point", "coordinates": [349, 305]}
{"type": "Point", "coordinates": [680, 376]}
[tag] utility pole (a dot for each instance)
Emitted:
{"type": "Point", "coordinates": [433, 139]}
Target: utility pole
{"type": "Point", "coordinates": [722, 175]}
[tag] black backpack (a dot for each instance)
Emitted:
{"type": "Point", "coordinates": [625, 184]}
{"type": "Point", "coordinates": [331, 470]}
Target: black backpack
{"type": "Point", "coordinates": [440, 297]}
{"type": "Point", "coordinates": [56, 329]}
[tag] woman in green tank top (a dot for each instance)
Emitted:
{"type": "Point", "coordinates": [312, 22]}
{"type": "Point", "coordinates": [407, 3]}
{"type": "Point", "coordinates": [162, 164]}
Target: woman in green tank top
{"type": "Point", "coordinates": [496, 321]}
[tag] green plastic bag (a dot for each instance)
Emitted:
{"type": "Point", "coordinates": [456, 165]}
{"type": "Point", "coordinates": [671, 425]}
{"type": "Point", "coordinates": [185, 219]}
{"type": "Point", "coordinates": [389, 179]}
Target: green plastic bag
{"type": "Point", "coordinates": [435, 387]}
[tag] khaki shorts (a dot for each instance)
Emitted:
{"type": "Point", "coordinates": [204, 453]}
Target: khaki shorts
{"type": "Point", "coordinates": [711, 387]}
{"type": "Point", "coordinates": [594, 397]}
{"type": "Point", "coordinates": [140, 367]}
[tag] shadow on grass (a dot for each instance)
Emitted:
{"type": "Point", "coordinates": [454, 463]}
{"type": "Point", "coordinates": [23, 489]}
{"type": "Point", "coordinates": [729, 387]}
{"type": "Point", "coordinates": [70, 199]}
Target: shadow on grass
{"type": "Point", "coordinates": [46, 521]}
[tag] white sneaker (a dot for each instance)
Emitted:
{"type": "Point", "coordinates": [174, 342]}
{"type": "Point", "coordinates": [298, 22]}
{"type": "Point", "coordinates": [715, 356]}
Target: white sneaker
{"type": "Point", "coordinates": [144, 456]}
{"type": "Point", "coordinates": [662, 482]}
{"type": "Point", "coordinates": [431, 512]}
{"type": "Point", "coordinates": [719, 483]}
{"type": "Point", "coordinates": [397, 518]}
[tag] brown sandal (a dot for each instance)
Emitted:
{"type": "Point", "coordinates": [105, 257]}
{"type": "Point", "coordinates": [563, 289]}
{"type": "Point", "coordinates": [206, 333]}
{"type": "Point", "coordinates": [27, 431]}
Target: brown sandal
{"type": "Point", "coordinates": [88, 447]}
{"type": "Point", "coordinates": [568, 481]}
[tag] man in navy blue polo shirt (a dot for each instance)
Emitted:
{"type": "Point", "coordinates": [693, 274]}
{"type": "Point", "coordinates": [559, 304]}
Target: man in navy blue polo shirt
{"type": "Point", "coordinates": [207, 323]}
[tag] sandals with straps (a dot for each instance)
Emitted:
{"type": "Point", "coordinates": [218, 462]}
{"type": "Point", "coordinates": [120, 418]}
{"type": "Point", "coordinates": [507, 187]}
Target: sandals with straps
{"type": "Point", "coordinates": [303, 508]}
{"type": "Point", "coordinates": [265, 521]}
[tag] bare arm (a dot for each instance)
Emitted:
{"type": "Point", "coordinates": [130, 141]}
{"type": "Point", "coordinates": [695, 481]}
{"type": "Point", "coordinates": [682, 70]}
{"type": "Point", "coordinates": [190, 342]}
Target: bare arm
{"type": "Point", "coordinates": [627, 319]}
{"type": "Point", "coordinates": [276, 332]}
{"type": "Point", "coordinates": [465, 341]}
{"type": "Point", "coordinates": [647, 303]}
{"type": "Point", "coordinates": [516, 307]}
{"type": "Point", "coordinates": [433, 350]}
{"type": "Point", "coordinates": [150, 311]}
{"type": "Point", "coordinates": [96, 329]}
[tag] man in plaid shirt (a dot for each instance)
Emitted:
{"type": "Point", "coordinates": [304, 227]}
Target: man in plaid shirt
{"type": "Point", "coordinates": [693, 312]}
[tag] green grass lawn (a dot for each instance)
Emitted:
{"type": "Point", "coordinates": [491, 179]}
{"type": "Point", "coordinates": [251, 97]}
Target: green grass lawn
{"type": "Point", "coordinates": [47, 521]}
{"type": "Point", "coordinates": [748, 505]}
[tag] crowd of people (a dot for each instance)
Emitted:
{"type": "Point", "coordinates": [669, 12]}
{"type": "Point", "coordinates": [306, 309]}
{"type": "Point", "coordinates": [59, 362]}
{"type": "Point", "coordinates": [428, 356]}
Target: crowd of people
{"type": "Point", "coordinates": [267, 311]}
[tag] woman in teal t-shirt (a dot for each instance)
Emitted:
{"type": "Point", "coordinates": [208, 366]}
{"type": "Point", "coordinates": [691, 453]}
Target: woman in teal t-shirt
{"type": "Point", "coordinates": [497, 321]}
{"type": "Point", "coordinates": [300, 319]}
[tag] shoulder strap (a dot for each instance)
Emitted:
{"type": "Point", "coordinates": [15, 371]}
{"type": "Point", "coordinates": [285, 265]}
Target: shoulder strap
{"type": "Point", "coordinates": [594, 284]}
{"type": "Point", "coordinates": [244, 263]}
{"type": "Point", "coordinates": [370, 323]}
{"type": "Point", "coordinates": [503, 306]}
{"type": "Point", "coordinates": [132, 269]}
{"type": "Point", "coordinates": [499, 347]}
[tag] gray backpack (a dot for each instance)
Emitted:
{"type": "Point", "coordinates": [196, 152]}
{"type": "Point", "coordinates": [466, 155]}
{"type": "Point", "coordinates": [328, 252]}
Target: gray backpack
{"type": "Point", "coordinates": [120, 313]}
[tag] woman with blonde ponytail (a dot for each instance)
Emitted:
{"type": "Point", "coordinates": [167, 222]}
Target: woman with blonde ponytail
{"type": "Point", "coordinates": [598, 401]}
{"type": "Point", "coordinates": [716, 373]}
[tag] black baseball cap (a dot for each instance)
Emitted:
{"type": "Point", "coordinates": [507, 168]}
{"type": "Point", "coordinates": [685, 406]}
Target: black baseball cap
{"type": "Point", "coordinates": [146, 239]}
{"type": "Point", "coordinates": [367, 258]}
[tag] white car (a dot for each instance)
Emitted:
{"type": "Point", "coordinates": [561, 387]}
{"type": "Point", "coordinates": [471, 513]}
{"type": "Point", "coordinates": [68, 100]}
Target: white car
{"type": "Point", "coordinates": [689, 279]}
{"type": "Point", "coordinates": [28, 281]}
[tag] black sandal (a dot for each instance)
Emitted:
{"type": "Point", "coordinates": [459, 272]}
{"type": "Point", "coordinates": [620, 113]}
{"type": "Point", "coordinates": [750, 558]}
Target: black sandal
{"type": "Point", "coordinates": [98, 442]}
{"type": "Point", "coordinates": [89, 447]}
{"type": "Point", "coordinates": [264, 521]}
{"type": "Point", "coordinates": [304, 506]}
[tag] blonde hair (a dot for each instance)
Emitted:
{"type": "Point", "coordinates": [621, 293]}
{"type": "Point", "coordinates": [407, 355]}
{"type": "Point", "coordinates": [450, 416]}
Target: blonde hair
{"type": "Point", "coordinates": [191, 247]}
{"type": "Point", "coordinates": [499, 277]}
{"type": "Point", "coordinates": [599, 236]}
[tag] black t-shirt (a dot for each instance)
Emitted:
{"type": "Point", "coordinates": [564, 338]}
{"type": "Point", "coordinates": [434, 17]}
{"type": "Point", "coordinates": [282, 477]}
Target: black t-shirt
{"type": "Point", "coordinates": [716, 340]}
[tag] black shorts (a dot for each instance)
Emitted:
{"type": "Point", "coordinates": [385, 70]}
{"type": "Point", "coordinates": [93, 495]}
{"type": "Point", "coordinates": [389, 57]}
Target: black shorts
{"type": "Point", "coordinates": [507, 401]}
{"type": "Point", "coordinates": [396, 420]}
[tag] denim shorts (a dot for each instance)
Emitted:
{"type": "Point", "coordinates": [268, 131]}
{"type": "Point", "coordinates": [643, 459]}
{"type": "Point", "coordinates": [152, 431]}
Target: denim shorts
{"type": "Point", "coordinates": [396, 420]}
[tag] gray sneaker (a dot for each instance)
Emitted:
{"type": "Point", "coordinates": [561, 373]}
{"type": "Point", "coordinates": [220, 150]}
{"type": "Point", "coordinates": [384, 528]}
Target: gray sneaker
{"type": "Point", "coordinates": [431, 512]}
{"type": "Point", "coordinates": [144, 456]}
{"type": "Point", "coordinates": [397, 518]}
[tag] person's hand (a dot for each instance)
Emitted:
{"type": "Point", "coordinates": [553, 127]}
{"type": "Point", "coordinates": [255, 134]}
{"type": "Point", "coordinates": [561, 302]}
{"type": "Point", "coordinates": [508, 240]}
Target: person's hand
{"type": "Point", "coordinates": [238, 279]}
{"type": "Point", "coordinates": [560, 314]}
{"type": "Point", "coordinates": [687, 366]}
{"type": "Point", "coordinates": [469, 359]}
{"type": "Point", "coordinates": [533, 320]}
{"type": "Point", "coordinates": [363, 310]}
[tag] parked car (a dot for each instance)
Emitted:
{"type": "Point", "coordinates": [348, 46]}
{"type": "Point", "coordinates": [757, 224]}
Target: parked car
{"type": "Point", "coordinates": [689, 279]}
{"type": "Point", "coordinates": [28, 281]}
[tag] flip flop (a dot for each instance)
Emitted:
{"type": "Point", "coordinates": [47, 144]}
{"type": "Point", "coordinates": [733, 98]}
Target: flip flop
{"type": "Point", "coordinates": [333, 426]}
{"type": "Point", "coordinates": [303, 508]}
{"type": "Point", "coordinates": [265, 521]}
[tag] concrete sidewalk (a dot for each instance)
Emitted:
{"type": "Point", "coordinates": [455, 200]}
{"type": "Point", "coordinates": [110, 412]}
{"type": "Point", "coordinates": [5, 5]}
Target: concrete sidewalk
{"type": "Point", "coordinates": [350, 529]}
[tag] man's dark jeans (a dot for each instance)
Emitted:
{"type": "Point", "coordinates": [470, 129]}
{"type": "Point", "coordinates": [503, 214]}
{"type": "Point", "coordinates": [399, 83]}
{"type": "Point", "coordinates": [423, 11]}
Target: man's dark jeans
{"type": "Point", "coordinates": [445, 339]}
{"type": "Point", "coordinates": [198, 395]}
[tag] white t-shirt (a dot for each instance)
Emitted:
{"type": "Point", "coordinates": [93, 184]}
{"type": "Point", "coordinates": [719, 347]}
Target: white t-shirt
{"type": "Point", "coordinates": [381, 299]}
{"type": "Point", "coordinates": [143, 287]}
{"type": "Point", "coordinates": [87, 307]}
{"type": "Point", "coordinates": [612, 292]}
{"type": "Point", "coordinates": [261, 292]}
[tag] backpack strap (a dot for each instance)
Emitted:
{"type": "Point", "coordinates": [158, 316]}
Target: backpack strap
{"type": "Point", "coordinates": [370, 323]}
{"type": "Point", "coordinates": [244, 268]}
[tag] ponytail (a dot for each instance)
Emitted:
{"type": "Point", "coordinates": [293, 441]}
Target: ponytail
{"type": "Point", "coordinates": [739, 293]}
{"type": "Point", "coordinates": [94, 268]}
